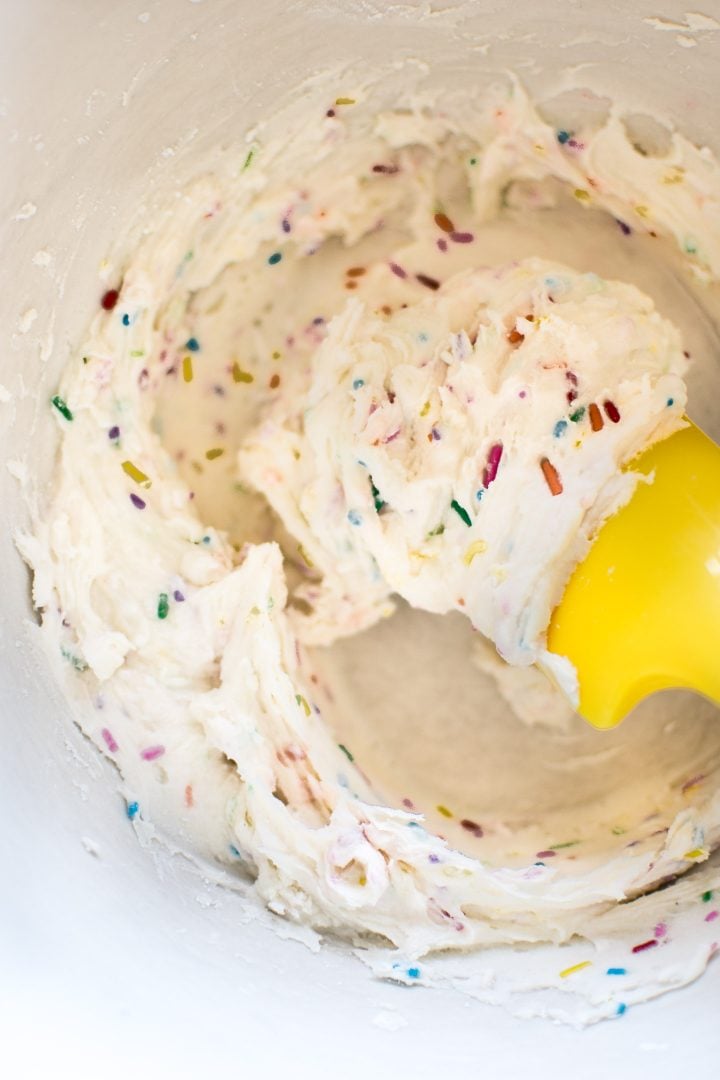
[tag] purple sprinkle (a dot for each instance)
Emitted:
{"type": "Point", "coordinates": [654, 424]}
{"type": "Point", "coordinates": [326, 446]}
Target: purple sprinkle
{"type": "Point", "coordinates": [408, 803]}
{"type": "Point", "coordinates": [152, 752]}
{"type": "Point", "coordinates": [114, 433]}
{"type": "Point", "coordinates": [442, 244]}
{"type": "Point", "coordinates": [523, 393]}
{"type": "Point", "coordinates": [625, 229]}
{"type": "Point", "coordinates": [493, 464]}
{"type": "Point", "coordinates": [318, 320]}
{"type": "Point", "coordinates": [436, 858]}
{"type": "Point", "coordinates": [285, 225]}
{"type": "Point", "coordinates": [398, 270]}
{"type": "Point", "coordinates": [462, 237]}
{"type": "Point", "coordinates": [137, 501]}
{"type": "Point", "coordinates": [178, 596]}
{"type": "Point", "coordinates": [435, 434]}
{"type": "Point", "coordinates": [545, 854]}
{"type": "Point", "coordinates": [109, 740]}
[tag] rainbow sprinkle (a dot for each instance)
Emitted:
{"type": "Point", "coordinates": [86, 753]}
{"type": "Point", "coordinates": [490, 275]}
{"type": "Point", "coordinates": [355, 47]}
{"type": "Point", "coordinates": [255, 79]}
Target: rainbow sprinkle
{"type": "Point", "coordinates": [62, 407]}
{"type": "Point", "coordinates": [575, 967]}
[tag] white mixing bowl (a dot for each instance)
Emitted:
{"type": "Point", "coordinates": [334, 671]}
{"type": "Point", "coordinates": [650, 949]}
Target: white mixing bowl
{"type": "Point", "coordinates": [112, 963]}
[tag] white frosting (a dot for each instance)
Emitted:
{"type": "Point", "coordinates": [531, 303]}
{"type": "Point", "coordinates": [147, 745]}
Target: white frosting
{"type": "Point", "coordinates": [204, 689]}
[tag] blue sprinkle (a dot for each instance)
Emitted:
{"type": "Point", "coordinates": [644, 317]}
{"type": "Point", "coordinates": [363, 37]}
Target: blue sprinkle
{"type": "Point", "coordinates": [622, 1007]}
{"type": "Point", "coordinates": [560, 428]}
{"type": "Point", "coordinates": [342, 780]}
{"type": "Point", "coordinates": [354, 518]}
{"type": "Point", "coordinates": [413, 973]}
{"type": "Point", "coordinates": [192, 344]}
{"type": "Point", "coordinates": [563, 136]}
{"type": "Point", "coordinates": [275, 258]}
{"type": "Point", "coordinates": [422, 336]}
{"type": "Point", "coordinates": [357, 383]}
{"type": "Point", "coordinates": [671, 402]}
{"type": "Point", "coordinates": [415, 825]}
{"type": "Point", "coordinates": [126, 319]}
{"type": "Point", "coordinates": [479, 494]}
{"type": "Point", "coordinates": [616, 971]}
{"type": "Point", "coordinates": [206, 540]}
{"type": "Point", "coordinates": [539, 864]}
{"type": "Point", "coordinates": [132, 810]}
{"type": "Point", "coordinates": [234, 851]}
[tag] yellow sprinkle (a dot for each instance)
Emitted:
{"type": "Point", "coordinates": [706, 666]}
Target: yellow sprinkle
{"type": "Point", "coordinates": [540, 149]}
{"type": "Point", "coordinates": [444, 811]}
{"type": "Point", "coordinates": [581, 194]}
{"type": "Point", "coordinates": [642, 211]}
{"type": "Point", "coordinates": [425, 409]}
{"type": "Point", "coordinates": [345, 101]}
{"type": "Point", "coordinates": [696, 853]}
{"type": "Point", "coordinates": [675, 176]}
{"type": "Point", "coordinates": [362, 880]}
{"type": "Point", "coordinates": [187, 368]}
{"type": "Point", "coordinates": [305, 557]}
{"type": "Point", "coordinates": [216, 452]}
{"type": "Point", "coordinates": [576, 967]}
{"type": "Point", "coordinates": [476, 548]}
{"type": "Point", "coordinates": [276, 355]}
{"type": "Point", "coordinates": [239, 375]}
{"type": "Point", "coordinates": [136, 474]}
{"type": "Point", "coordinates": [301, 701]}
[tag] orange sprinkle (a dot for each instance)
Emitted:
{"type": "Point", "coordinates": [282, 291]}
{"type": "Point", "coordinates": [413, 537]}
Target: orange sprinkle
{"type": "Point", "coordinates": [351, 284]}
{"type": "Point", "coordinates": [596, 420]}
{"type": "Point", "coordinates": [552, 478]}
{"type": "Point", "coordinates": [386, 309]}
{"type": "Point", "coordinates": [443, 222]}
{"type": "Point", "coordinates": [274, 382]}
{"type": "Point", "coordinates": [515, 337]}
{"type": "Point", "coordinates": [356, 271]}
{"type": "Point", "coordinates": [189, 801]}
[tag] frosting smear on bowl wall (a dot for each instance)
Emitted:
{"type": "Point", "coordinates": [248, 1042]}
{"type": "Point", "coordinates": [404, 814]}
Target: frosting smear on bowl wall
{"type": "Point", "coordinates": [392, 365]}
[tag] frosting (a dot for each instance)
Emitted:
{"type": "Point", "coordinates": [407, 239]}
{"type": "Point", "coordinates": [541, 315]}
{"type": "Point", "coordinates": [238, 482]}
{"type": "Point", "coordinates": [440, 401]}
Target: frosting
{"type": "Point", "coordinates": [377, 352]}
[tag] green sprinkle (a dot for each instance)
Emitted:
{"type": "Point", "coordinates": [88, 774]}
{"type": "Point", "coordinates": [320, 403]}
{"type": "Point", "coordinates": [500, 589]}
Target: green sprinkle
{"type": "Point", "coordinates": [567, 843]}
{"type": "Point", "coordinates": [301, 701]}
{"type": "Point", "coordinates": [617, 830]}
{"type": "Point", "coordinates": [377, 499]}
{"type": "Point", "coordinates": [578, 414]}
{"type": "Point", "coordinates": [248, 159]}
{"type": "Point", "coordinates": [137, 352]}
{"type": "Point", "coordinates": [707, 896]}
{"type": "Point", "coordinates": [473, 161]}
{"type": "Point", "coordinates": [346, 752]}
{"type": "Point", "coordinates": [437, 531]}
{"type": "Point", "coordinates": [76, 662]}
{"type": "Point", "coordinates": [62, 407]}
{"type": "Point", "coordinates": [163, 606]}
{"type": "Point", "coordinates": [461, 512]}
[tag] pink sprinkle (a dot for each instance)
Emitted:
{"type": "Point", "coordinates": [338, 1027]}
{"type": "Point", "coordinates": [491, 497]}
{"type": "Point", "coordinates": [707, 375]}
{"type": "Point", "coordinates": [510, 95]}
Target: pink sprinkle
{"type": "Point", "coordinates": [152, 752]}
{"type": "Point", "coordinates": [545, 854]}
{"type": "Point", "coordinates": [109, 740]}
{"type": "Point", "coordinates": [462, 237]}
{"type": "Point", "coordinates": [493, 464]}
{"type": "Point", "coordinates": [442, 244]}
{"type": "Point", "coordinates": [660, 930]}
{"type": "Point", "coordinates": [408, 803]}
{"type": "Point", "coordinates": [398, 270]}
{"type": "Point", "coordinates": [711, 916]}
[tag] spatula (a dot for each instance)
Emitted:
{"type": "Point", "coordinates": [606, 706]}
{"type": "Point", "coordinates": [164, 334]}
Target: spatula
{"type": "Point", "coordinates": [642, 612]}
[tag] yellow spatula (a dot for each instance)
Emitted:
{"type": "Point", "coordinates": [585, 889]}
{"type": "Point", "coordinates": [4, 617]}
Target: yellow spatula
{"type": "Point", "coordinates": [642, 612]}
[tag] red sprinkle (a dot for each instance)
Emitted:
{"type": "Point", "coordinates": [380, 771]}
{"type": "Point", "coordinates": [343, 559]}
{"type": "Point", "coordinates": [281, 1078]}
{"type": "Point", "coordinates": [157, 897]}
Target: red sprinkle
{"type": "Point", "coordinates": [552, 478]}
{"type": "Point", "coordinates": [612, 411]}
{"type": "Point", "coordinates": [596, 420]}
{"type": "Point", "coordinates": [462, 237]}
{"type": "Point", "coordinates": [189, 801]}
{"type": "Point", "coordinates": [645, 945]}
{"type": "Point", "coordinates": [473, 827]}
{"type": "Point", "coordinates": [546, 854]}
{"type": "Point", "coordinates": [388, 170]}
{"type": "Point", "coordinates": [110, 299]}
